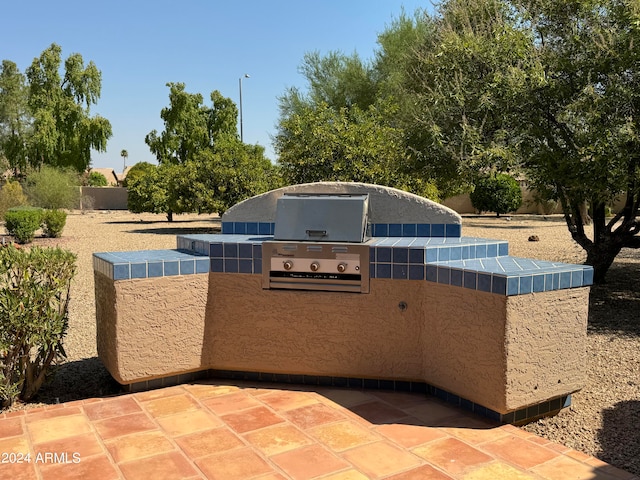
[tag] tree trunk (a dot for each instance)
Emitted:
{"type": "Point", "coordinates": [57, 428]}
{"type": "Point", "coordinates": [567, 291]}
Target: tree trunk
{"type": "Point", "coordinates": [170, 216]}
{"type": "Point", "coordinates": [584, 214]}
{"type": "Point", "coordinates": [600, 257]}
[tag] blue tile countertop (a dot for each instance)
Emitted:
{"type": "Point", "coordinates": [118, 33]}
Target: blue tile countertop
{"type": "Point", "coordinates": [149, 263]}
{"type": "Point", "coordinates": [467, 262]}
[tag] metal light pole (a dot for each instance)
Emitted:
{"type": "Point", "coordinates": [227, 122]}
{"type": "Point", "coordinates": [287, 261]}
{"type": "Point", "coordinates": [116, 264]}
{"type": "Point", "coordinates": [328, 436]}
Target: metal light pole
{"type": "Point", "coordinates": [246, 75]}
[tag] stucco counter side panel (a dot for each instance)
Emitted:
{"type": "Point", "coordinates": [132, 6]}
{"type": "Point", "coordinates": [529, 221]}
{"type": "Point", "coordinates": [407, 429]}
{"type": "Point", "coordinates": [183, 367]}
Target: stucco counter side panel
{"type": "Point", "coordinates": [464, 344]}
{"type": "Point", "coordinates": [546, 341]}
{"type": "Point", "coordinates": [106, 319]}
{"type": "Point", "coordinates": [157, 326]}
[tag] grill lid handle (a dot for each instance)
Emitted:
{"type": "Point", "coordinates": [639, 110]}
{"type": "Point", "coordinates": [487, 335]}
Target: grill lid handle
{"type": "Point", "coordinates": [317, 233]}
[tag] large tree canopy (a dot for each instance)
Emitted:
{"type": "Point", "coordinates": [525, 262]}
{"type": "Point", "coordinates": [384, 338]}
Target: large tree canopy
{"type": "Point", "coordinates": [341, 129]}
{"type": "Point", "coordinates": [203, 165]}
{"type": "Point", "coordinates": [190, 126]}
{"type": "Point", "coordinates": [45, 116]}
{"type": "Point", "coordinates": [14, 118]}
{"type": "Point", "coordinates": [64, 132]}
{"type": "Point", "coordinates": [547, 89]}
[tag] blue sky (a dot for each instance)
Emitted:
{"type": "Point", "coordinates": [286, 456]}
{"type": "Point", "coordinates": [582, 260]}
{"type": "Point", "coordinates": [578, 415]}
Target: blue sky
{"type": "Point", "coordinates": [141, 45]}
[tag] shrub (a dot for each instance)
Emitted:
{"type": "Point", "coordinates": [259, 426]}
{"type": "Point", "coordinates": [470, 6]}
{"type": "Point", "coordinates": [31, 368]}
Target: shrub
{"type": "Point", "coordinates": [22, 222]}
{"type": "Point", "coordinates": [500, 193]}
{"type": "Point", "coordinates": [96, 179]}
{"type": "Point", "coordinates": [34, 301]}
{"type": "Point", "coordinates": [53, 188]}
{"type": "Point", "coordinates": [11, 195]}
{"type": "Point", "coordinates": [53, 222]}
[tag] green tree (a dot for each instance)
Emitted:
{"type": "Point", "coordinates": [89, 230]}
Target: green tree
{"type": "Point", "coordinates": [96, 179]}
{"type": "Point", "coordinates": [499, 193]}
{"type": "Point", "coordinates": [228, 174]}
{"type": "Point", "coordinates": [321, 143]}
{"type": "Point", "coordinates": [124, 154]}
{"type": "Point", "coordinates": [586, 146]}
{"type": "Point", "coordinates": [147, 192]}
{"type": "Point", "coordinates": [472, 63]}
{"type": "Point", "coordinates": [14, 118]}
{"type": "Point", "coordinates": [342, 129]}
{"type": "Point", "coordinates": [203, 166]}
{"type": "Point", "coordinates": [138, 170]}
{"type": "Point", "coordinates": [551, 87]}
{"type": "Point", "coordinates": [64, 132]}
{"type": "Point", "coordinates": [190, 126]}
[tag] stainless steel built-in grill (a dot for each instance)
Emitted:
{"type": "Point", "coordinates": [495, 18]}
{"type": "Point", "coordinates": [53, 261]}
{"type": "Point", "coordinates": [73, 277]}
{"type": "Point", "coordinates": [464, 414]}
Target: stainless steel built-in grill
{"type": "Point", "coordinates": [320, 243]}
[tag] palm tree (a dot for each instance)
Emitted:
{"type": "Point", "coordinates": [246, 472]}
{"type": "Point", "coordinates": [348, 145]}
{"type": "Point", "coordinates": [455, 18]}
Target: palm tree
{"type": "Point", "coordinates": [124, 154]}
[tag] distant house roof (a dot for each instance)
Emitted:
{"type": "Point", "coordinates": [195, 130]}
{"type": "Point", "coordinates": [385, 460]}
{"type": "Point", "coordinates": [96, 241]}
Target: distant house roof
{"type": "Point", "coordinates": [123, 175]}
{"type": "Point", "coordinates": [109, 174]}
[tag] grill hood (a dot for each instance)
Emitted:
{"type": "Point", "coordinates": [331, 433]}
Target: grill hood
{"type": "Point", "coordinates": [322, 218]}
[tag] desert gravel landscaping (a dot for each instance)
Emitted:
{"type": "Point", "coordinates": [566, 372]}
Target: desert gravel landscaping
{"type": "Point", "coordinates": [603, 421]}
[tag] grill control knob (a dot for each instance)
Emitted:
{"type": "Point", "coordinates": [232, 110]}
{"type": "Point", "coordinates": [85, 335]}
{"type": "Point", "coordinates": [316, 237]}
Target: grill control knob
{"type": "Point", "coordinates": [342, 267]}
{"type": "Point", "coordinates": [314, 266]}
{"type": "Point", "coordinates": [288, 265]}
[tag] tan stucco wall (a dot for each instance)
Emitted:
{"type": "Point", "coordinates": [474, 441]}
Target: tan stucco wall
{"type": "Point", "coordinates": [104, 198]}
{"type": "Point", "coordinates": [316, 333]}
{"type": "Point", "coordinates": [546, 344]}
{"type": "Point", "coordinates": [530, 204]}
{"type": "Point", "coordinates": [464, 343]}
{"type": "Point", "coordinates": [151, 327]}
{"type": "Point", "coordinates": [501, 352]}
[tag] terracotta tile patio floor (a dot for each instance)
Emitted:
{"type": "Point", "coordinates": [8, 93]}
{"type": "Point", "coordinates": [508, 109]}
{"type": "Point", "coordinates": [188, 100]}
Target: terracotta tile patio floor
{"type": "Point", "coordinates": [226, 431]}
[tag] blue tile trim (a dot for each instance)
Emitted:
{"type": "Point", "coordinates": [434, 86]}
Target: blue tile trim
{"type": "Point", "coordinates": [409, 229]}
{"type": "Point", "coordinates": [437, 230]}
{"type": "Point", "coordinates": [460, 262]}
{"type": "Point", "coordinates": [171, 268]}
{"type": "Point", "coordinates": [456, 277]}
{"type": "Point", "coordinates": [248, 228]}
{"type": "Point", "coordinates": [416, 272]}
{"type": "Point", "coordinates": [121, 271]}
{"type": "Point", "coordinates": [503, 284]}
{"type": "Point", "coordinates": [395, 230]}
{"type": "Point", "coordinates": [138, 270]}
{"type": "Point", "coordinates": [521, 416]}
{"type": "Point", "coordinates": [155, 269]}
{"type": "Point", "coordinates": [187, 267]}
{"type": "Point", "coordinates": [150, 264]}
{"type": "Point", "coordinates": [400, 272]}
{"type": "Point", "coordinates": [453, 230]}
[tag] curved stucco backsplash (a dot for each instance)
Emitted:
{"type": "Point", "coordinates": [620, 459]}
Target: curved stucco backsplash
{"type": "Point", "coordinates": [386, 204]}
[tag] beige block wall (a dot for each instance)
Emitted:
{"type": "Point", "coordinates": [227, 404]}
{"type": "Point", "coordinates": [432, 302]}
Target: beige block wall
{"type": "Point", "coordinates": [530, 205]}
{"type": "Point", "coordinates": [501, 352]}
{"type": "Point", "coordinates": [104, 198]}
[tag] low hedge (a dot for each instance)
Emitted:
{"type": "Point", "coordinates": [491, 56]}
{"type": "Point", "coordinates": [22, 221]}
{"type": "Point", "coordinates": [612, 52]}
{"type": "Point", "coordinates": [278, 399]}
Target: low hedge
{"type": "Point", "coordinates": [22, 222]}
{"type": "Point", "coordinates": [53, 223]}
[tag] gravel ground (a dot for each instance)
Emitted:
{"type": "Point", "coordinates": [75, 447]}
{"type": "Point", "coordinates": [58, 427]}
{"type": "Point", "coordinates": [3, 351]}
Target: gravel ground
{"type": "Point", "coordinates": [603, 421]}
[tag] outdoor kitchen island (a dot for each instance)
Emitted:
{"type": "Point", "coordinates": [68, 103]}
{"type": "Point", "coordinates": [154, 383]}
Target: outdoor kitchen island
{"type": "Point", "coordinates": [397, 299]}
